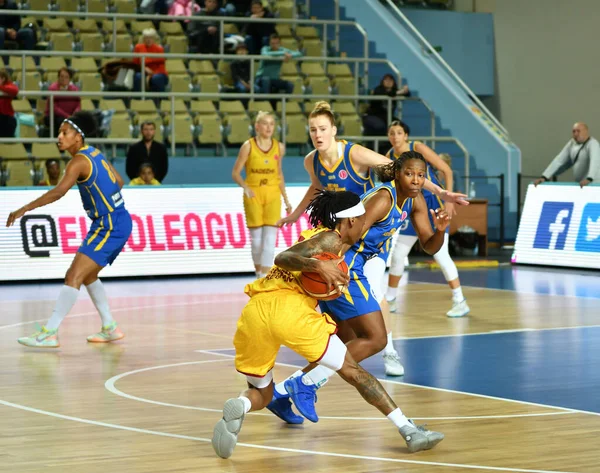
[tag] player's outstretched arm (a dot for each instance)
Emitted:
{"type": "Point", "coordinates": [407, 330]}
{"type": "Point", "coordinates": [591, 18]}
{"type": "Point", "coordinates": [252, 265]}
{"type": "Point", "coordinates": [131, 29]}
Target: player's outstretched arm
{"type": "Point", "coordinates": [77, 167]}
{"type": "Point", "coordinates": [431, 241]}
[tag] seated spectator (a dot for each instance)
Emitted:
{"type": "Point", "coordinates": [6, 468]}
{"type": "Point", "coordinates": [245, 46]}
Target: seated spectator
{"type": "Point", "coordinates": [145, 177]}
{"type": "Point", "coordinates": [376, 119]}
{"type": "Point", "coordinates": [53, 172]}
{"type": "Point", "coordinates": [149, 7]}
{"type": "Point", "coordinates": [183, 8]}
{"type": "Point", "coordinates": [228, 7]}
{"type": "Point", "coordinates": [156, 73]}
{"type": "Point", "coordinates": [240, 70]}
{"type": "Point", "coordinates": [64, 107]}
{"type": "Point", "coordinates": [268, 76]}
{"type": "Point", "coordinates": [147, 151]}
{"type": "Point", "coordinates": [8, 91]}
{"type": "Point", "coordinates": [204, 35]}
{"type": "Point", "coordinates": [10, 28]}
{"type": "Point", "coordinates": [258, 34]}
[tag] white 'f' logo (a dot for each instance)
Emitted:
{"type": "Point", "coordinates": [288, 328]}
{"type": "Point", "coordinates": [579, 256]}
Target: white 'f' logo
{"type": "Point", "coordinates": [557, 227]}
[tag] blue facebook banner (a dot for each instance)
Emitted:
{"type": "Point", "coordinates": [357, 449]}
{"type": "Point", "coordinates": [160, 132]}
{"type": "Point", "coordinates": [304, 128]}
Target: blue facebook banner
{"type": "Point", "coordinates": [553, 225]}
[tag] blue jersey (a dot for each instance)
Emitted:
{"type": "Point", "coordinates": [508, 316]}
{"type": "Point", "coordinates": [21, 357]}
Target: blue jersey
{"type": "Point", "coordinates": [378, 238]}
{"type": "Point", "coordinates": [100, 192]}
{"type": "Point", "coordinates": [431, 172]}
{"type": "Point", "coordinates": [343, 176]}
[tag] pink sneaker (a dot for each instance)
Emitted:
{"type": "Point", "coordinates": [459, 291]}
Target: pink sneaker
{"type": "Point", "coordinates": [109, 333]}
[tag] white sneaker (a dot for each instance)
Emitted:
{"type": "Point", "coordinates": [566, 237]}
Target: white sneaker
{"type": "Point", "coordinates": [391, 361]}
{"type": "Point", "coordinates": [459, 309]}
{"type": "Point", "coordinates": [392, 304]}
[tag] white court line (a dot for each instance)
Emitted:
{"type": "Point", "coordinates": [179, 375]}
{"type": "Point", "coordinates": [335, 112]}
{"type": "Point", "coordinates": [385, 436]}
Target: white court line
{"type": "Point", "coordinates": [110, 386]}
{"type": "Point", "coordinates": [515, 291]}
{"type": "Point", "coordinates": [118, 309]}
{"type": "Point", "coordinates": [266, 447]}
{"type": "Point", "coordinates": [433, 388]}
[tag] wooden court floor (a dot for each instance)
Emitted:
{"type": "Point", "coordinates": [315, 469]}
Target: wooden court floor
{"type": "Point", "coordinates": [149, 402]}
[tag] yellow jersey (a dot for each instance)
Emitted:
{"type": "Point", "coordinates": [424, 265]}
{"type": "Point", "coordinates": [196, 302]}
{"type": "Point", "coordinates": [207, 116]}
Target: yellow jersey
{"type": "Point", "coordinates": [262, 167]}
{"type": "Point", "coordinates": [280, 279]}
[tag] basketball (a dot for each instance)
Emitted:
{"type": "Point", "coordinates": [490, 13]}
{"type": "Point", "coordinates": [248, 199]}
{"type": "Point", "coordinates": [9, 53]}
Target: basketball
{"type": "Point", "coordinates": [313, 284]}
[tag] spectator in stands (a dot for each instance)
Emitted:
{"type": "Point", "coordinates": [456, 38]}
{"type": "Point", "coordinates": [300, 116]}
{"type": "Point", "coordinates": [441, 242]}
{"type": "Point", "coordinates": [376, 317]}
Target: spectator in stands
{"type": "Point", "coordinates": [64, 107]}
{"type": "Point", "coordinates": [147, 151]}
{"type": "Point", "coordinates": [582, 153]}
{"type": "Point", "coordinates": [184, 8]}
{"type": "Point", "coordinates": [240, 70]}
{"type": "Point", "coordinates": [268, 76]}
{"type": "Point", "coordinates": [145, 177]}
{"type": "Point", "coordinates": [258, 34]}
{"type": "Point", "coordinates": [156, 73]}
{"type": "Point", "coordinates": [53, 173]}
{"type": "Point", "coordinates": [8, 90]}
{"type": "Point", "coordinates": [10, 28]}
{"type": "Point", "coordinates": [228, 7]}
{"type": "Point", "coordinates": [376, 119]}
{"type": "Point", "coordinates": [204, 36]}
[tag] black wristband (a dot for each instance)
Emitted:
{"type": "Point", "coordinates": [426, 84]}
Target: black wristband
{"type": "Point", "coordinates": [544, 178]}
{"type": "Point", "coordinates": [590, 179]}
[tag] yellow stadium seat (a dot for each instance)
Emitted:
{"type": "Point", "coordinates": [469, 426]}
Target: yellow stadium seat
{"type": "Point", "coordinates": [201, 67]}
{"type": "Point", "coordinates": [207, 84]}
{"type": "Point", "coordinates": [307, 32]}
{"type": "Point", "coordinates": [20, 173]}
{"type": "Point", "coordinates": [183, 130]}
{"type": "Point", "coordinates": [239, 128]}
{"type": "Point", "coordinates": [58, 25]}
{"type": "Point", "coordinates": [107, 26]}
{"type": "Point", "coordinates": [91, 42]}
{"type": "Point", "coordinates": [62, 41]}
{"type": "Point", "coordinates": [284, 30]}
{"type": "Point", "coordinates": [255, 106]}
{"type": "Point", "coordinates": [138, 26]}
{"type": "Point", "coordinates": [43, 151]}
{"type": "Point", "coordinates": [313, 48]}
{"type": "Point", "coordinates": [120, 127]}
{"type": "Point", "coordinates": [291, 108]}
{"type": "Point", "coordinates": [138, 106]}
{"type": "Point", "coordinates": [175, 66]}
{"type": "Point", "coordinates": [114, 104]}
{"type": "Point", "coordinates": [202, 107]}
{"type": "Point", "coordinates": [180, 108]}
{"type": "Point", "coordinates": [210, 129]}
{"type": "Point", "coordinates": [177, 44]}
{"type": "Point", "coordinates": [16, 63]}
{"type": "Point", "coordinates": [85, 26]}
{"type": "Point", "coordinates": [224, 70]}
{"type": "Point", "coordinates": [296, 129]}
{"type": "Point", "coordinates": [84, 64]}
{"type": "Point", "coordinates": [33, 81]}
{"type": "Point", "coordinates": [171, 28]}
{"type": "Point", "coordinates": [67, 5]}
{"type": "Point", "coordinates": [52, 64]}
{"type": "Point", "coordinates": [87, 105]}
{"type": "Point", "coordinates": [180, 83]}
{"type": "Point", "coordinates": [96, 6]}
{"type": "Point", "coordinates": [312, 69]}
{"type": "Point", "coordinates": [230, 28]}
{"type": "Point", "coordinates": [125, 6]}
{"type": "Point", "coordinates": [90, 82]}
{"type": "Point", "coordinates": [13, 151]}
{"type": "Point", "coordinates": [290, 43]}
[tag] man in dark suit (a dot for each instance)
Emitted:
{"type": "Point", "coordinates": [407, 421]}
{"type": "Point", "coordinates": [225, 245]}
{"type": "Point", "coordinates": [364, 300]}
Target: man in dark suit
{"type": "Point", "coordinates": [147, 151]}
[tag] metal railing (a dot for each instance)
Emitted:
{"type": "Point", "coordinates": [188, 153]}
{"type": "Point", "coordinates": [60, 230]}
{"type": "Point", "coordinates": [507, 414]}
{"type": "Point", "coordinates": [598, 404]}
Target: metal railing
{"type": "Point", "coordinates": [203, 19]}
{"type": "Point", "coordinates": [431, 50]}
{"type": "Point", "coordinates": [432, 139]}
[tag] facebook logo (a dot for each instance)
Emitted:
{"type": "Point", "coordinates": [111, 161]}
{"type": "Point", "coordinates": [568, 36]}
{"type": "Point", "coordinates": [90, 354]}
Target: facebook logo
{"type": "Point", "coordinates": [553, 225]}
{"type": "Point", "coordinates": [588, 238]}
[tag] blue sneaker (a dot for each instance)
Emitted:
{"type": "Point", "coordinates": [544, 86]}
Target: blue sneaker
{"type": "Point", "coordinates": [281, 406]}
{"type": "Point", "coordinates": [303, 396]}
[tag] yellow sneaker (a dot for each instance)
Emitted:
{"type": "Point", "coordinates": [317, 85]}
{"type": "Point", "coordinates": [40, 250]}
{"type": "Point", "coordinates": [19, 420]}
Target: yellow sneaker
{"type": "Point", "coordinates": [109, 333]}
{"type": "Point", "coordinates": [43, 338]}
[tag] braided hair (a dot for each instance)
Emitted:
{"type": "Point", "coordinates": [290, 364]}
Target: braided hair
{"type": "Point", "coordinates": [387, 172]}
{"type": "Point", "coordinates": [326, 204]}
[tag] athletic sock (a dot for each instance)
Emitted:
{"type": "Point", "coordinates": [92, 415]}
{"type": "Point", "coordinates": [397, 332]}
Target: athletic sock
{"type": "Point", "coordinates": [65, 302]}
{"type": "Point", "coordinates": [247, 404]}
{"type": "Point", "coordinates": [457, 295]}
{"type": "Point", "coordinates": [390, 295]}
{"type": "Point", "coordinates": [98, 296]}
{"type": "Point", "coordinates": [318, 376]}
{"type": "Point", "coordinates": [398, 419]}
{"type": "Point", "coordinates": [389, 347]}
{"type": "Point", "coordinates": [280, 388]}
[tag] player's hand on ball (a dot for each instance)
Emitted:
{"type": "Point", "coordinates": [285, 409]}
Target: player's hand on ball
{"type": "Point", "coordinates": [14, 216]}
{"type": "Point", "coordinates": [441, 219]}
{"type": "Point", "coordinates": [332, 274]}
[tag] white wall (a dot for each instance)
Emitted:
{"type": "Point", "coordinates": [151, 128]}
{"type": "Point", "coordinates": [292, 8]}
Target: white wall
{"type": "Point", "coordinates": [548, 72]}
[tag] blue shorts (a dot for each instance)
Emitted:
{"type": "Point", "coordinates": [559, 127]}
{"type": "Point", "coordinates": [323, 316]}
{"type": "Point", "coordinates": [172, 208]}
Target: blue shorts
{"type": "Point", "coordinates": [432, 203]}
{"type": "Point", "coordinates": [107, 237]}
{"type": "Point", "coordinates": [358, 299]}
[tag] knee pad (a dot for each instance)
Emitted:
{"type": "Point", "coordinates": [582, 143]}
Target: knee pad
{"type": "Point", "coordinates": [374, 271]}
{"type": "Point", "coordinates": [269, 238]}
{"type": "Point", "coordinates": [443, 258]}
{"type": "Point", "coordinates": [401, 249]}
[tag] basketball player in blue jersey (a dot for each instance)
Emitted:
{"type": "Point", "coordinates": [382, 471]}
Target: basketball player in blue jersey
{"type": "Point", "coordinates": [398, 133]}
{"type": "Point", "coordinates": [339, 165]}
{"type": "Point", "coordinates": [357, 312]}
{"type": "Point", "coordinates": [100, 188]}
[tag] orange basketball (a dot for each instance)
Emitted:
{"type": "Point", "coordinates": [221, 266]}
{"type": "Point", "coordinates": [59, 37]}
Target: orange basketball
{"type": "Point", "coordinates": [313, 284]}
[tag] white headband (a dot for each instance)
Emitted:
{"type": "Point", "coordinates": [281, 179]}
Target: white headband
{"type": "Point", "coordinates": [74, 126]}
{"type": "Point", "coordinates": [356, 211]}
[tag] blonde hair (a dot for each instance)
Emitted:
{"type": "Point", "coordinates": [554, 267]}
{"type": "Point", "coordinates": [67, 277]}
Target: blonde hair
{"type": "Point", "coordinates": [261, 115]}
{"type": "Point", "coordinates": [446, 158]}
{"type": "Point", "coordinates": [149, 32]}
{"type": "Point", "coordinates": [322, 108]}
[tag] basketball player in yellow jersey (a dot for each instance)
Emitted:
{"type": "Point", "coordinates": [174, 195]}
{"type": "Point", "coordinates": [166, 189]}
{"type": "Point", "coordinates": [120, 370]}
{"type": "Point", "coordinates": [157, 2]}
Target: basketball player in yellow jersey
{"type": "Point", "coordinates": [263, 188]}
{"type": "Point", "coordinates": [281, 313]}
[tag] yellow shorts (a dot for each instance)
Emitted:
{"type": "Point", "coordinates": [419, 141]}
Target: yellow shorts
{"type": "Point", "coordinates": [278, 318]}
{"type": "Point", "coordinates": [264, 208]}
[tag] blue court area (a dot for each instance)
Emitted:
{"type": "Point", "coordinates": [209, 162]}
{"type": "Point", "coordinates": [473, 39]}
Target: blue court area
{"type": "Point", "coordinates": [556, 367]}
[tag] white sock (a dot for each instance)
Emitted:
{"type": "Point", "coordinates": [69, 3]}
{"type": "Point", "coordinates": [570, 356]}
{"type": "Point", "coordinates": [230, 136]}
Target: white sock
{"type": "Point", "coordinates": [258, 274]}
{"type": "Point", "coordinates": [98, 296]}
{"type": "Point", "coordinates": [457, 295]}
{"type": "Point", "coordinates": [65, 302]}
{"type": "Point", "coordinates": [248, 404]}
{"type": "Point", "coordinates": [390, 344]}
{"type": "Point", "coordinates": [318, 376]}
{"type": "Point", "coordinates": [390, 295]}
{"type": "Point", "coordinates": [279, 386]}
{"type": "Point", "coordinates": [398, 418]}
